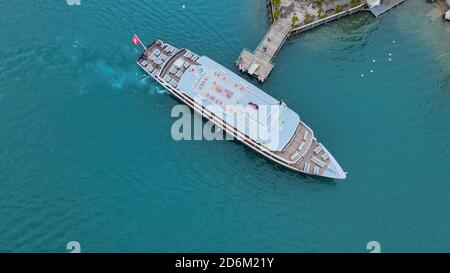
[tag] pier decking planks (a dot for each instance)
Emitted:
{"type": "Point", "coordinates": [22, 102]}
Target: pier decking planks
{"type": "Point", "coordinates": [260, 62]}
{"type": "Point", "coordinates": [386, 5]}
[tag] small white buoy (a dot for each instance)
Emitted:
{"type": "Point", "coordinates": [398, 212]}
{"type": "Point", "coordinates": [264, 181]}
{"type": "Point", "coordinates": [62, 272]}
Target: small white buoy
{"type": "Point", "coordinates": [390, 54]}
{"type": "Point", "coordinates": [390, 59]}
{"type": "Point", "coordinates": [373, 60]}
{"type": "Point", "coordinates": [371, 71]}
{"type": "Point", "coordinates": [184, 6]}
{"type": "Point", "coordinates": [393, 41]}
{"type": "Point", "coordinates": [362, 75]}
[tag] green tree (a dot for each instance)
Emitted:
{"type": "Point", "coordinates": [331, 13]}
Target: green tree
{"type": "Point", "coordinates": [276, 9]}
{"type": "Point", "coordinates": [277, 14]}
{"type": "Point", "coordinates": [354, 3]}
{"type": "Point", "coordinates": [320, 12]}
{"type": "Point", "coordinates": [338, 9]}
{"type": "Point", "coordinates": [308, 18]}
{"type": "Point", "coordinates": [276, 3]}
{"type": "Point", "coordinates": [294, 21]}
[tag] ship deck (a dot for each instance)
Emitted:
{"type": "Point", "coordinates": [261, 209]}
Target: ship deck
{"type": "Point", "coordinates": [155, 56]}
{"type": "Point", "coordinates": [307, 155]}
{"type": "Point", "coordinates": [167, 62]}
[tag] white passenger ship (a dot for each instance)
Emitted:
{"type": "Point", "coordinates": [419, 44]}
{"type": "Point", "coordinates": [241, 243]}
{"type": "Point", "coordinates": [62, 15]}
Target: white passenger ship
{"type": "Point", "coordinates": [188, 76]}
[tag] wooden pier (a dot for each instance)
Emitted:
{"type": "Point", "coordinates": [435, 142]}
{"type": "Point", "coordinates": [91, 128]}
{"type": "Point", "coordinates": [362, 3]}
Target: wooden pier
{"type": "Point", "coordinates": [260, 62]}
{"type": "Point", "coordinates": [385, 6]}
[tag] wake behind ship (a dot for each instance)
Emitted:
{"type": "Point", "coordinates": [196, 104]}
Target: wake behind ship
{"type": "Point", "coordinates": [188, 77]}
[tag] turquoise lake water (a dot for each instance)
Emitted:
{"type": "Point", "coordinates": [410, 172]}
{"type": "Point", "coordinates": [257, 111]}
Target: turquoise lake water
{"type": "Point", "coordinates": [86, 153]}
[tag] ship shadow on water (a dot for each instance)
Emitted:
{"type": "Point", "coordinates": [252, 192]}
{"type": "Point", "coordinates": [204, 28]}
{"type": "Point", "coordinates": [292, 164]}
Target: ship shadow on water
{"type": "Point", "coordinates": [268, 164]}
{"type": "Point", "coordinates": [291, 175]}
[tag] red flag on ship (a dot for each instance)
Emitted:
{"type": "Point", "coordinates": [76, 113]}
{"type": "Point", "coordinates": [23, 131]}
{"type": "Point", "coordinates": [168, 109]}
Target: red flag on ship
{"type": "Point", "coordinates": [136, 40]}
